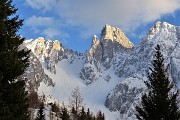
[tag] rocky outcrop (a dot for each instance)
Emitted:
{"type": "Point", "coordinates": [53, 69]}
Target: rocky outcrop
{"type": "Point", "coordinates": [92, 64]}
{"type": "Point", "coordinates": [113, 41]}
{"type": "Point", "coordinates": [35, 74]}
{"type": "Point", "coordinates": [122, 98]}
{"type": "Point", "coordinates": [115, 34]}
{"type": "Point", "coordinates": [105, 53]}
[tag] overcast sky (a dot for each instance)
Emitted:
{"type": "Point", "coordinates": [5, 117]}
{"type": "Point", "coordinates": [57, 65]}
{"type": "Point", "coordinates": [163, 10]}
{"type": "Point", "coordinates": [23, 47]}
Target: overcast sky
{"type": "Point", "coordinates": [74, 22]}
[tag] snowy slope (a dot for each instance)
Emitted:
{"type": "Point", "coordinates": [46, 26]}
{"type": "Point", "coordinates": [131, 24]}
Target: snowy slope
{"type": "Point", "coordinates": [68, 78]}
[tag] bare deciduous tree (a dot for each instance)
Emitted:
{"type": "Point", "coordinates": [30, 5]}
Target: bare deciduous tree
{"type": "Point", "coordinates": [76, 99]}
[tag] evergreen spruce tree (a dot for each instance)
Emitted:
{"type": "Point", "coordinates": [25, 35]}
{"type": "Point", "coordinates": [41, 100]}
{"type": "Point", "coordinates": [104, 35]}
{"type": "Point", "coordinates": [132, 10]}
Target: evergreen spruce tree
{"type": "Point", "coordinates": [88, 115]}
{"type": "Point", "coordinates": [13, 62]}
{"type": "Point", "coordinates": [160, 102]}
{"type": "Point", "coordinates": [64, 114]}
{"type": "Point", "coordinates": [41, 114]}
{"type": "Point", "coordinates": [100, 116]}
{"type": "Point", "coordinates": [74, 113]}
{"type": "Point", "coordinates": [82, 114]}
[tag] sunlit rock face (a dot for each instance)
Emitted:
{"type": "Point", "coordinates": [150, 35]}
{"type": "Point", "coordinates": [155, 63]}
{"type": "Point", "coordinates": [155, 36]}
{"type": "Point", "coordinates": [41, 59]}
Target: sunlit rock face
{"type": "Point", "coordinates": [115, 34]}
{"type": "Point", "coordinates": [113, 41]}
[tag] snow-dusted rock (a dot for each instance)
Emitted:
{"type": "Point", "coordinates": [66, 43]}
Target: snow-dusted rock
{"type": "Point", "coordinates": [50, 52]}
{"type": "Point", "coordinates": [35, 74]}
{"type": "Point", "coordinates": [92, 65]}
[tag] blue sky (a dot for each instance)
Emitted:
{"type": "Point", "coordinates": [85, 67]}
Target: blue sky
{"type": "Point", "coordinates": [74, 22]}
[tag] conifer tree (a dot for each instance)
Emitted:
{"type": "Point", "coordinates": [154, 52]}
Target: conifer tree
{"type": "Point", "coordinates": [82, 114]}
{"type": "Point", "coordinates": [64, 114]}
{"type": "Point", "coordinates": [160, 102]}
{"type": "Point", "coordinates": [100, 116]}
{"type": "Point", "coordinates": [88, 115]}
{"type": "Point", "coordinates": [13, 62]}
{"type": "Point", "coordinates": [74, 113]}
{"type": "Point", "coordinates": [41, 114]}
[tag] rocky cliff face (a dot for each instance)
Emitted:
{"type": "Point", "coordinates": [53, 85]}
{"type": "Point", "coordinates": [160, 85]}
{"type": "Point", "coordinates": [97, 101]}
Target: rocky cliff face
{"type": "Point", "coordinates": [113, 41]}
{"type": "Point", "coordinates": [35, 74]}
{"type": "Point", "coordinates": [92, 64]}
{"type": "Point", "coordinates": [104, 53]}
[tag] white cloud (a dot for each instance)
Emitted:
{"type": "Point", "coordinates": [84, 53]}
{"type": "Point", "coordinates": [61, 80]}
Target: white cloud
{"type": "Point", "coordinates": [51, 33]}
{"type": "Point", "coordinates": [46, 26]}
{"type": "Point", "coordinates": [36, 21]}
{"type": "Point", "coordinates": [43, 5]}
{"type": "Point", "coordinates": [93, 14]}
{"type": "Point", "coordinates": [123, 13]}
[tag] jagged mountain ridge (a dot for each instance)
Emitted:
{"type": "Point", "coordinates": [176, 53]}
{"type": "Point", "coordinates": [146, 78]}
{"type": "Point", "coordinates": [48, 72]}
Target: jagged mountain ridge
{"type": "Point", "coordinates": [112, 61]}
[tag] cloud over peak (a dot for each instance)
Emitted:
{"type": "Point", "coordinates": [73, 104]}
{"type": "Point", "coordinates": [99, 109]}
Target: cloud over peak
{"type": "Point", "coordinates": [92, 14]}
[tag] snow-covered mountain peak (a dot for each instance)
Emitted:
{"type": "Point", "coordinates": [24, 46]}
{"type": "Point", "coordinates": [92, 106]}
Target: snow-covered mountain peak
{"type": "Point", "coordinates": [160, 28]}
{"type": "Point", "coordinates": [114, 34]}
{"type": "Point", "coordinates": [41, 47]}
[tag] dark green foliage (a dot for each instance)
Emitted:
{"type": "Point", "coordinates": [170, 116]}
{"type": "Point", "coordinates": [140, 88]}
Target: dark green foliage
{"type": "Point", "coordinates": [33, 100]}
{"type": "Point", "coordinates": [82, 114]}
{"type": "Point", "coordinates": [41, 114]}
{"type": "Point", "coordinates": [160, 103]}
{"type": "Point", "coordinates": [100, 116]}
{"type": "Point", "coordinates": [13, 62]}
{"type": "Point", "coordinates": [55, 108]}
{"type": "Point", "coordinates": [74, 113]}
{"type": "Point", "coordinates": [64, 114]}
{"type": "Point", "coordinates": [88, 115]}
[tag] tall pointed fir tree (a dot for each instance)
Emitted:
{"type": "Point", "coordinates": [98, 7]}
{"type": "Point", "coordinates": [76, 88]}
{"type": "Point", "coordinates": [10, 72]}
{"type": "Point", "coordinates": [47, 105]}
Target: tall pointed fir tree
{"type": "Point", "coordinates": [160, 102]}
{"type": "Point", "coordinates": [40, 113]}
{"type": "Point", "coordinates": [64, 114]}
{"type": "Point", "coordinates": [82, 115]}
{"type": "Point", "coordinates": [13, 62]}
